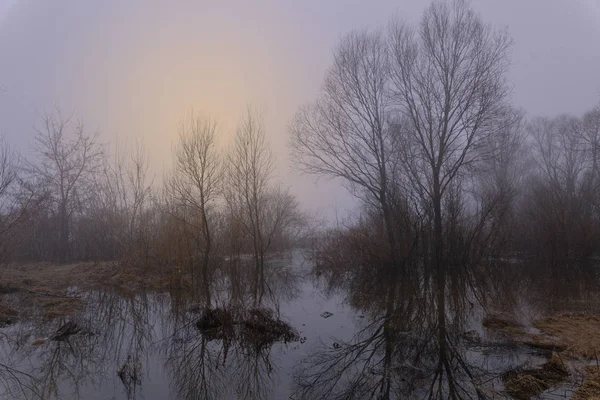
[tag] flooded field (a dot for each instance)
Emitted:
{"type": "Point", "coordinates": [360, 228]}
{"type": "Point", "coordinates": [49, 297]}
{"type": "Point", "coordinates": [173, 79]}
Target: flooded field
{"type": "Point", "coordinates": [311, 337]}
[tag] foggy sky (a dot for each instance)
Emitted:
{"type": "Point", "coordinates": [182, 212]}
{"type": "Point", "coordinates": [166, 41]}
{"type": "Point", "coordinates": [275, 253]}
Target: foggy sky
{"type": "Point", "coordinates": [133, 69]}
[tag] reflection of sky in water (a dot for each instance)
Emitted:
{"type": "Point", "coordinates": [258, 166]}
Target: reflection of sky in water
{"type": "Point", "coordinates": [94, 361]}
{"type": "Point", "coordinates": [167, 347]}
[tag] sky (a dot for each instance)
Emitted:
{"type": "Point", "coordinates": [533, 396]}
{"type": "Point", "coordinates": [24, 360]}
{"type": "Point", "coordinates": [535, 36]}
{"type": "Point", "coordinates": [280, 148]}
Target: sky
{"type": "Point", "coordinates": [132, 69]}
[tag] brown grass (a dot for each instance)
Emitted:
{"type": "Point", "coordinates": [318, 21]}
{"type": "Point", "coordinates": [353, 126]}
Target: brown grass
{"type": "Point", "coordinates": [578, 333]}
{"type": "Point", "coordinates": [590, 389]}
{"type": "Point", "coordinates": [216, 323]}
{"type": "Point", "coordinates": [7, 315]}
{"type": "Point", "coordinates": [503, 322]}
{"type": "Point", "coordinates": [525, 384]}
{"type": "Point", "coordinates": [44, 285]}
{"type": "Point", "coordinates": [263, 328]}
{"type": "Point", "coordinates": [541, 342]}
{"type": "Point", "coordinates": [8, 311]}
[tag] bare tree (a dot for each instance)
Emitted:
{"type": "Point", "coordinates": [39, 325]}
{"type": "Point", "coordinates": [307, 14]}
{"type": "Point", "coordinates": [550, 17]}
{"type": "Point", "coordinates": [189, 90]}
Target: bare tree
{"type": "Point", "coordinates": [67, 157]}
{"type": "Point", "coordinates": [449, 86]}
{"type": "Point", "coordinates": [562, 193]}
{"type": "Point", "coordinates": [120, 202]}
{"type": "Point", "coordinates": [346, 134]}
{"type": "Point", "coordinates": [16, 200]}
{"type": "Point", "coordinates": [498, 182]}
{"type": "Point", "coordinates": [250, 171]}
{"type": "Point", "coordinates": [590, 135]}
{"type": "Point", "coordinates": [196, 184]}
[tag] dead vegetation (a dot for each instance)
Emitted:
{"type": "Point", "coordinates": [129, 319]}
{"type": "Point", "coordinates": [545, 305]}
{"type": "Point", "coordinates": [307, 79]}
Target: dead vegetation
{"type": "Point", "coordinates": [257, 327]}
{"type": "Point", "coordinates": [68, 329]}
{"type": "Point", "coordinates": [527, 383]}
{"type": "Point", "coordinates": [590, 389]}
{"type": "Point", "coordinates": [216, 323]}
{"type": "Point", "coordinates": [7, 316]}
{"type": "Point", "coordinates": [516, 332]}
{"type": "Point", "coordinates": [578, 333]}
{"type": "Point", "coordinates": [262, 328]}
{"type": "Point", "coordinates": [574, 335]}
{"type": "Point", "coordinates": [45, 286]}
{"type": "Point", "coordinates": [502, 322]}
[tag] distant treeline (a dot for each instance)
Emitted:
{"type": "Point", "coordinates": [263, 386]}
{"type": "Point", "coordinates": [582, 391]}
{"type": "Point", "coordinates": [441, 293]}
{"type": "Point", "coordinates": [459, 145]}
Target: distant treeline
{"type": "Point", "coordinates": [77, 201]}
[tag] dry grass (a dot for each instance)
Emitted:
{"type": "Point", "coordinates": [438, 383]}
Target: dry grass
{"type": "Point", "coordinates": [590, 389]}
{"type": "Point", "coordinates": [8, 311]}
{"type": "Point", "coordinates": [7, 315]}
{"type": "Point", "coordinates": [54, 279]}
{"type": "Point", "coordinates": [263, 328]}
{"type": "Point", "coordinates": [503, 322]}
{"type": "Point", "coordinates": [43, 286]}
{"type": "Point", "coordinates": [541, 342]}
{"type": "Point", "coordinates": [578, 333]}
{"type": "Point", "coordinates": [526, 384]}
{"type": "Point", "coordinates": [216, 323]}
{"type": "Point", "coordinates": [524, 387]}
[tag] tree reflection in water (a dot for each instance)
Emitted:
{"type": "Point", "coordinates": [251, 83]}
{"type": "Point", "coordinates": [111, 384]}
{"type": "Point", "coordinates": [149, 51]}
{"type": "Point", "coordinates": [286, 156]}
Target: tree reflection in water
{"type": "Point", "coordinates": [230, 361]}
{"type": "Point", "coordinates": [412, 345]}
{"type": "Point", "coordinates": [399, 350]}
{"type": "Point", "coordinates": [396, 354]}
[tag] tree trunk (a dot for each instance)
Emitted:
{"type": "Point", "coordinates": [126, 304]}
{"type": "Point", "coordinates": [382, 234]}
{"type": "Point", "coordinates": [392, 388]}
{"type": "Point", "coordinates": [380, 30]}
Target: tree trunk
{"type": "Point", "coordinates": [63, 245]}
{"type": "Point", "coordinates": [440, 274]}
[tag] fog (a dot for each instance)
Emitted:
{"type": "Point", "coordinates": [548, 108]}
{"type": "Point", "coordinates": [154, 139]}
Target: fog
{"type": "Point", "coordinates": [307, 200]}
{"type": "Point", "coordinates": [134, 69]}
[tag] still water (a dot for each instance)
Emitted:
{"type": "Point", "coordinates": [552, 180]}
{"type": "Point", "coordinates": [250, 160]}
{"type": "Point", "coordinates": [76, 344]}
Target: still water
{"type": "Point", "coordinates": [345, 345]}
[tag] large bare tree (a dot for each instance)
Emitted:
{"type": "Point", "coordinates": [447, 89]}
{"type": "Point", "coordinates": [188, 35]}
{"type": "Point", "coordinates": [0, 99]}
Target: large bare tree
{"type": "Point", "coordinates": [449, 86]}
{"type": "Point", "coordinates": [66, 158]}
{"type": "Point", "coordinates": [346, 133]}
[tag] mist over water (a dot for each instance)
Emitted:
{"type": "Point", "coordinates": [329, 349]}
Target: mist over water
{"type": "Point", "coordinates": [299, 200]}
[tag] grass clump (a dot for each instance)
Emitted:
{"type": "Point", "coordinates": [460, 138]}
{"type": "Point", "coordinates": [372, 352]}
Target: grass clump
{"type": "Point", "coordinates": [216, 323]}
{"type": "Point", "coordinates": [263, 328]}
{"type": "Point", "coordinates": [577, 332]}
{"type": "Point", "coordinates": [590, 389]}
{"type": "Point", "coordinates": [502, 322]}
{"type": "Point", "coordinates": [7, 316]}
{"type": "Point", "coordinates": [528, 383]}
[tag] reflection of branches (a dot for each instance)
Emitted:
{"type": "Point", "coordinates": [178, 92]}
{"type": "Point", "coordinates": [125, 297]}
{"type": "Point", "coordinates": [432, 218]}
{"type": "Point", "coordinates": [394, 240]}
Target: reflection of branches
{"type": "Point", "coordinates": [75, 359]}
{"type": "Point", "coordinates": [17, 384]}
{"type": "Point", "coordinates": [281, 281]}
{"type": "Point", "coordinates": [130, 334]}
{"type": "Point", "coordinates": [217, 363]}
{"type": "Point", "coordinates": [194, 365]}
{"type": "Point", "coordinates": [251, 367]}
{"type": "Point", "coordinates": [115, 331]}
{"type": "Point", "coordinates": [405, 351]}
{"type": "Point", "coordinates": [346, 371]}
